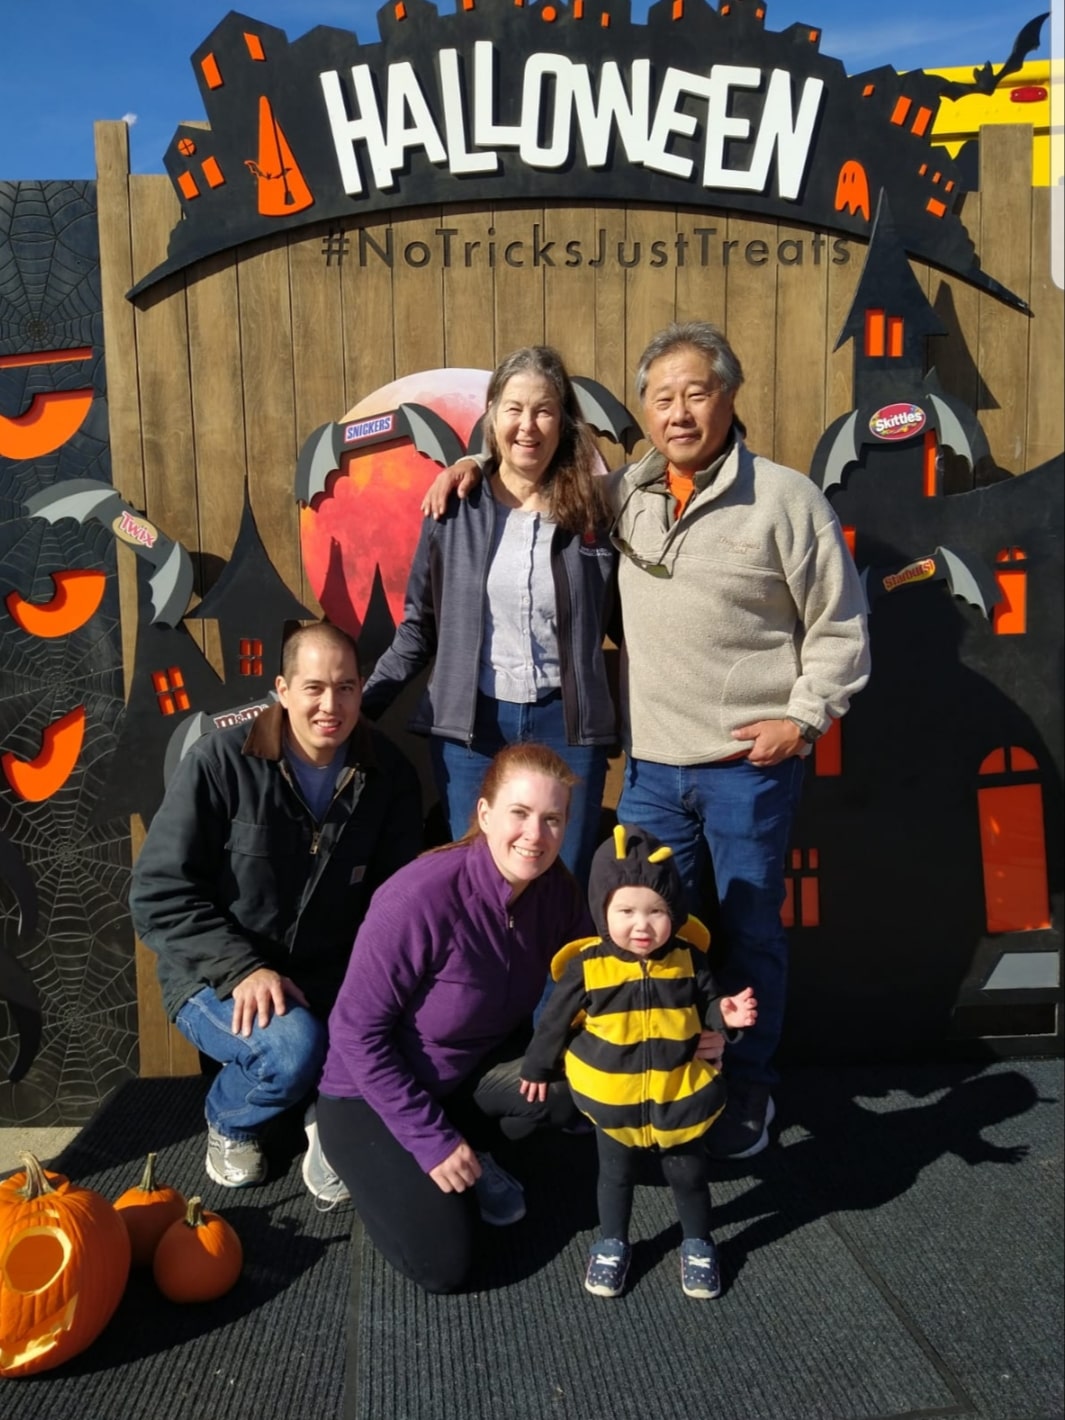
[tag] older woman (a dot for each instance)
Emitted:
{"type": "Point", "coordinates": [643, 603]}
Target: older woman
{"type": "Point", "coordinates": [510, 596]}
{"type": "Point", "coordinates": [428, 1031]}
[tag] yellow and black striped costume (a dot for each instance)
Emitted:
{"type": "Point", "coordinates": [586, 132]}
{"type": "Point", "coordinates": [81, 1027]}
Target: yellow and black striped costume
{"type": "Point", "coordinates": [635, 1024]}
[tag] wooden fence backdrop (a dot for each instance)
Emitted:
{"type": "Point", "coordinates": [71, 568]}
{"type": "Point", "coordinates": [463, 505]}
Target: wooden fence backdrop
{"type": "Point", "coordinates": [222, 372]}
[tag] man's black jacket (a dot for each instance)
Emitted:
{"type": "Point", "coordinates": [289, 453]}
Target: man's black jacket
{"type": "Point", "coordinates": [235, 873]}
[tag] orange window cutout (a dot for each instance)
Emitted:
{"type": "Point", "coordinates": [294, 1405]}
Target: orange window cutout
{"type": "Point", "coordinates": [255, 46]}
{"type": "Point", "coordinates": [187, 183]}
{"type": "Point", "coordinates": [170, 692]}
{"type": "Point", "coordinates": [921, 122]}
{"type": "Point", "coordinates": [931, 464]}
{"type": "Point", "coordinates": [810, 901]}
{"type": "Point", "coordinates": [828, 753]}
{"type": "Point", "coordinates": [678, 9]}
{"type": "Point", "coordinates": [936, 207]}
{"type": "Point", "coordinates": [251, 657]}
{"type": "Point", "coordinates": [850, 537]}
{"type": "Point", "coordinates": [787, 911]}
{"type": "Point", "coordinates": [211, 72]}
{"type": "Point", "coordinates": [212, 172]}
{"type": "Point", "coordinates": [50, 421]}
{"type": "Point", "coordinates": [874, 333]}
{"type": "Point", "coordinates": [1010, 617]}
{"type": "Point", "coordinates": [1013, 851]}
{"type": "Point", "coordinates": [1021, 759]}
{"type": "Point", "coordinates": [995, 763]}
{"type": "Point", "coordinates": [901, 109]}
{"type": "Point", "coordinates": [75, 601]}
{"type": "Point", "coordinates": [895, 332]}
{"type": "Point", "coordinates": [37, 779]}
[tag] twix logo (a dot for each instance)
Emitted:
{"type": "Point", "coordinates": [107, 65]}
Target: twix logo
{"type": "Point", "coordinates": [137, 531]}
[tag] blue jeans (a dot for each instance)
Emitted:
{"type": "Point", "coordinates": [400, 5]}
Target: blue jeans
{"type": "Point", "coordinates": [743, 815]}
{"type": "Point", "coordinates": [275, 1067]}
{"type": "Point", "coordinates": [459, 769]}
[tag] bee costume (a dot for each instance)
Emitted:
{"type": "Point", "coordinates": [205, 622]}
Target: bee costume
{"type": "Point", "coordinates": [626, 1026]}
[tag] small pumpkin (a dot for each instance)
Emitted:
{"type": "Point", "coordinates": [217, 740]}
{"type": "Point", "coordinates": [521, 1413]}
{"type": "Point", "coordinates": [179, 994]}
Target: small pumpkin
{"type": "Point", "coordinates": [64, 1262]}
{"type": "Point", "coordinates": [198, 1258]}
{"type": "Point", "coordinates": [147, 1210]}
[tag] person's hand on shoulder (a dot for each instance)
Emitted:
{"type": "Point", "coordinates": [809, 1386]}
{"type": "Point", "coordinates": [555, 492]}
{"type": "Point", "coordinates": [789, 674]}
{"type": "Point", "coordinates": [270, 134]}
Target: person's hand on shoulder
{"type": "Point", "coordinates": [460, 478]}
{"type": "Point", "coordinates": [260, 996]}
{"type": "Point", "coordinates": [459, 1171]}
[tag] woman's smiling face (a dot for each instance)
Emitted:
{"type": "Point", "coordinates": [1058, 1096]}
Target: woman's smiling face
{"type": "Point", "coordinates": [524, 826]}
{"type": "Point", "coordinates": [527, 424]}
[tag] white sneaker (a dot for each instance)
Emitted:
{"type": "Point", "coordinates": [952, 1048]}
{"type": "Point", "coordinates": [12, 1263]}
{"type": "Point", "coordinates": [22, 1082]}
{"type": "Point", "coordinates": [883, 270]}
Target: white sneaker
{"type": "Point", "coordinates": [327, 1186]}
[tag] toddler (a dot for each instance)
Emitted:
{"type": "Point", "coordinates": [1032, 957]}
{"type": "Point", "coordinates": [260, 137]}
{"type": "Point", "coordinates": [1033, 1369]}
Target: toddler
{"type": "Point", "coordinates": [626, 1016]}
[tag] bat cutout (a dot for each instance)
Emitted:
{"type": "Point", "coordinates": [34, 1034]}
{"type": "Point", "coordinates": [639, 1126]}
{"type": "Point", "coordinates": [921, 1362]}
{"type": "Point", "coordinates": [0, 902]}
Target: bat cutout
{"type": "Point", "coordinates": [323, 451]}
{"type": "Point", "coordinates": [966, 577]}
{"type": "Point", "coordinates": [85, 499]}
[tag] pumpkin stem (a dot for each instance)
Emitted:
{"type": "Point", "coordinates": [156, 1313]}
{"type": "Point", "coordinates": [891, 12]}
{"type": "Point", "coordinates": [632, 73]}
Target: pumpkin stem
{"type": "Point", "coordinates": [36, 1185]}
{"type": "Point", "coordinates": [194, 1212]}
{"type": "Point", "coordinates": [147, 1183]}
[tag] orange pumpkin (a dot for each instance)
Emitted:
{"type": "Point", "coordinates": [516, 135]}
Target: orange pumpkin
{"type": "Point", "coordinates": [198, 1258]}
{"type": "Point", "coordinates": [64, 1261]}
{"type": "Point", "coordinates": [147, 1210]}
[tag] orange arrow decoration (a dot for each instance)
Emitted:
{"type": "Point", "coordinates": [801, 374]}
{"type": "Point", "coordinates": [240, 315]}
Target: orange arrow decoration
{"type": "Point", "coordinates": [37, 779]}
{"type": "Point", "coordinates": [77, 596]}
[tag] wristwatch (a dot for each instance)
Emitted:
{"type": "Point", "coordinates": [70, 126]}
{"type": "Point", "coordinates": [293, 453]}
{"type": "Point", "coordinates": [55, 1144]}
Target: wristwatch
{"type": "Point", "coordinates": [810, 733]}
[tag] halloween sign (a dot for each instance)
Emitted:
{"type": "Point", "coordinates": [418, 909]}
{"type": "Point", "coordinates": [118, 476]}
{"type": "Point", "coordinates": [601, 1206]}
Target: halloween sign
{"type": "Point", "coordinates": [699, 107]}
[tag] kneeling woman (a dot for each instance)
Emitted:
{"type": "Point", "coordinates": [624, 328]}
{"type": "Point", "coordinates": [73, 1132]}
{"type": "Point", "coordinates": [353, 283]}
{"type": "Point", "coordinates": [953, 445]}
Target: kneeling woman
{"type": "Point", "coordinates": [427, 1034]}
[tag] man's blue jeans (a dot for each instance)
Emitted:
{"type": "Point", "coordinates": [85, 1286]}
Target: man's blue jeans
{"type": "Point", "coordinates": [743, 815]}
{"type": "Point", "coordinates": [278, 1065]}
{"type": "Point", "coordinates": [459, 769]}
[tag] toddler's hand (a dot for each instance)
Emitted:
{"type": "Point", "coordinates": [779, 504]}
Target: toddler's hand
{"type": "Point", "coordinates": [739, 1011]}
{"type": "Point", "coordinates": [535, 1093]}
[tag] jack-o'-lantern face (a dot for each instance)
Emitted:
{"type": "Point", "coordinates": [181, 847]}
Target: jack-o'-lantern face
{"type": "Point", "coordinates": [33, 1263]}
{"type": "Point", "coordinates": [64, 1260]}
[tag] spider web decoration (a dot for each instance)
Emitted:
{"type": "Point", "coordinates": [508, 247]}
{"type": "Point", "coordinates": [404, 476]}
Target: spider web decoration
{"type": "Point", "coordinates": [79, 956]}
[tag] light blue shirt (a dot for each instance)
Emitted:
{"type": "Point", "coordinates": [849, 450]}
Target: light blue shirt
{"type": "Point", "coordinates": [519, 653]}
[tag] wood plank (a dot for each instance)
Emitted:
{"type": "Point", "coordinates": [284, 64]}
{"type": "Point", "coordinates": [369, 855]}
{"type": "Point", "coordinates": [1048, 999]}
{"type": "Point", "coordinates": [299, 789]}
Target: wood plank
{"type": "Point", "coordinates": [1045, 431]}
{"type": "Point", "coordinates": [802, 324]}
{"type": "Point", "coordinates": [366, 286]}
{"type": "Point", "coordinates": [120, 358]}
{"type": "Point", "coordinates": [519, 289]}
{"type": "Point", "coordinates": [418, 292]}
{"type": "Point", "coordinates": [318, 344]}
{"type": "Point", "coordinates": [751, 303]}
{"type": "Point", "coordinates": [170, 491]}
{"type": "Point", "coordinates": [699, 260]}
{"type": "Point", "coordinates": [650, 292]}
{"type": "Point", "coordinates": [610, 317]}
{"type": "Point", "coordinates": [957, 303]}
{"type": "Point", "coordinates": [569, 290]}
{"type": "Point", "coordinates": [270, 419]}
{"type": "Point", "coordinates": [214, 358]}
{"type": "Point", "coordinates": [163, 1049]}
{"type": "Point", "coordinates": [469, 308]}
{"type": "Point", "coordinates": [1002, 354]}
{"type": "Point", "coordinates": [842, 279]}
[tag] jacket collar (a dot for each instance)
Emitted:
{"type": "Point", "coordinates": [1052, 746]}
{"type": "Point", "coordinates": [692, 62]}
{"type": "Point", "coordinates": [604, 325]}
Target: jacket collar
{"type": "Point", "coordinates": [266, 739]}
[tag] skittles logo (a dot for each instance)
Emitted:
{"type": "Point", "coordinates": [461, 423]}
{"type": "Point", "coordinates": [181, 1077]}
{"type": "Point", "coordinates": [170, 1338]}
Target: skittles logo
{"type": "Point", "coordinates": [897, 421]}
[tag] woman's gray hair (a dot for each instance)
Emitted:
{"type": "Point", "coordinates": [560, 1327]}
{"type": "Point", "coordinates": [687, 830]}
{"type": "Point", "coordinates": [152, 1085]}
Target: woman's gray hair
{"type": "Point", "coordinates": [697, 335]}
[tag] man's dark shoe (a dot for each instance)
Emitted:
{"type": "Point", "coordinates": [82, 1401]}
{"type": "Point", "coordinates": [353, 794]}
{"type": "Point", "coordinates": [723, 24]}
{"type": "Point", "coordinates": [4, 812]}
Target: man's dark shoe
{"type": "Point", "coordinates": [742, 1130]}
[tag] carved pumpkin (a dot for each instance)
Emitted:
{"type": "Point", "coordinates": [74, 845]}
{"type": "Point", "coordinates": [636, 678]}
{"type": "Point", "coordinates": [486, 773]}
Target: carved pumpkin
{"type": "Point", "coordinates": [198, 1258]}
{"type": "Point", "coordinates": [147, 1211]}
{"type": "Point", "coordinates": [64, 1261]}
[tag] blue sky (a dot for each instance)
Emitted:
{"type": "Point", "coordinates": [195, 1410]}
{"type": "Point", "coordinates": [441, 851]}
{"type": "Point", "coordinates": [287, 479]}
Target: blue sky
{"type": "Point", "coordinates": [68, 62]}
